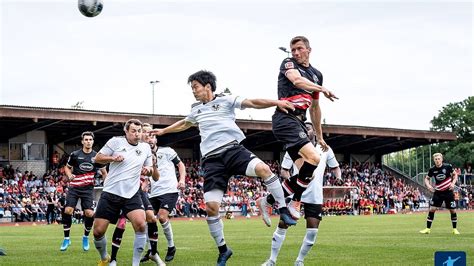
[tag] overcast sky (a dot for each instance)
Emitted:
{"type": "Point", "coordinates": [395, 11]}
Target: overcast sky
{"type": "Point", "coordinates": [392, 64]}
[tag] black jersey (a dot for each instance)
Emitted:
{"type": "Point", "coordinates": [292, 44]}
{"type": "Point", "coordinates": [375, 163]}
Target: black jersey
{"type": "Point", "coordinates": [299, 97]}
{"type": "Point", "coordinates": [83, 168]}
{"type": "Point", "coordinates": [442, 175]}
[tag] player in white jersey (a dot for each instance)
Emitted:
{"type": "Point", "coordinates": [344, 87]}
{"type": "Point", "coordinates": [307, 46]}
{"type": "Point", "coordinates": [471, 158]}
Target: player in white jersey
{"type": "Point", "coordinates": [129, 158]}
{"type": "Point", "coordinates": [222, 153]}
{"type": "Point", "coordinates": [164, 192]}
{"type": "Point", "coordinates": [312, 199]}
{"type": "Point", "coordinates": [152, 229]}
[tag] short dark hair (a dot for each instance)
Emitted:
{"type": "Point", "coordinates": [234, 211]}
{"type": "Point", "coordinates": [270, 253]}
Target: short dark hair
{"type": "Point", "coordinates": [300, 39]}
{"type": "Point", "coordinates": [204, 77]}
{"type": "Point", "coordinates": [136, 122]}
{"type": "Point", "coordinates": [87, 133]}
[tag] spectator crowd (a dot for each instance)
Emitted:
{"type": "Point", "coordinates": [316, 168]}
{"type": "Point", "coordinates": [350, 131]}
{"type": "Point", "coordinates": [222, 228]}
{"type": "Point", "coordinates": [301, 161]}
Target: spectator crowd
{"type": "Point", "coordinates": [25, 196]}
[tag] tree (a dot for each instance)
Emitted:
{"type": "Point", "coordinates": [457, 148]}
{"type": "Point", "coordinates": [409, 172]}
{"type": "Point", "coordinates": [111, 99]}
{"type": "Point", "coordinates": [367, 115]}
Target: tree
{"type": "Point", "coordinates": [458, 118]}
{"type": "Point", "coordinates": [227, 91]}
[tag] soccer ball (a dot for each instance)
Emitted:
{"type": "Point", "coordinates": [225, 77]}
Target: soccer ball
{"type": "Point", "coordinates": [90, 8]}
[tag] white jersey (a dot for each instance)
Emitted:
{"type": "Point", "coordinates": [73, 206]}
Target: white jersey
{"type": "Point", "coordinates": [216, 121]}
{"type": "Point", "coordinates": [168, 182]}
{"type": "Point", "coordinates": [288, 163]}
{"type": "Point", "coordinates": [123, 178]}
{"type": "Point", "coordinates": [314, 192]}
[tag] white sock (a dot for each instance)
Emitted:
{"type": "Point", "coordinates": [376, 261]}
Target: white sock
{"type": "Point", "coordinates": [308, 242]}
{"type": "Point", "coordinates": [138, 246]}
{"type": "Point", "coordinates": [101, 246]}
{"type": "Point", "coordinates": [216, 228]}
{"type": "Point", "coordinates": [274, 187]}
{"type": "Point", "coordinates": [168, 231]}
{"type": "Point", "coordinates": [277, 241]}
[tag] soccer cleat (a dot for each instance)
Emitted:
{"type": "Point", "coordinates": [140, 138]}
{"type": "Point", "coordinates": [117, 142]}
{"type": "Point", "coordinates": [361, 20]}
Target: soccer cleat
{"type": "Point", "coordinates": [113, 263]}
{"type": "Point", "coordinates": [294, 207]}
{"type": "Point", "coordinates": [85, 243]}
{"type": "Point", "coordinates": [456, 232]}
{"type": "Point", "coordinates": [66, 243]}
{"type": "Point", "coordinates": [170, 254]}
{"type": "Point", "coordinates": [157, 259]}
{"type": "Point", "coordinates": [262, 206]}
{"type": "Point", "coordinates": [104, 262]}
{"type": "Point", "coordinates": [269, 262]}
{"type": "Point", "coordinates": [286, 217]}
{"type": "Point", "coordinates": [425, 231]}
{"type": "Point", "coordinates": [2, 252]}
{"type": "Point", "coordinates": [299, 263]}
{"type": "Point", "coordinates": [146, 257]}
{"type": "Point", "coordinates": [223, 257]}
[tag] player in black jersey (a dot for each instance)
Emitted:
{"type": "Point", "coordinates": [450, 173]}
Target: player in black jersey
{"type": "Point", "coordinates": [300, 83]}
{"type": "Point", "coordinates": [445, 179]}
{"type": "Point", "coordinates": [80, 171]}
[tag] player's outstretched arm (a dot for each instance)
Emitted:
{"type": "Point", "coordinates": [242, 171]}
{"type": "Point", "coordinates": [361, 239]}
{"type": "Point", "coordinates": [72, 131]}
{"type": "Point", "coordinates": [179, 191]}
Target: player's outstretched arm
{"type": "Point", "coordinates": [303, 83]}
{"type": "Point", "coordinates": [179, 126]}
{"type": "Point", "coordinates": [265, 103]}
{"type": "Point", "coordinates": [315, 115]}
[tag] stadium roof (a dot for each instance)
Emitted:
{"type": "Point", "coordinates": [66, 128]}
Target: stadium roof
{"type": "Point", "coordinates": [66, 125]}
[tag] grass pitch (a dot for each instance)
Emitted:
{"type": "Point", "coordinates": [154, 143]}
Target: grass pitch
{"type": "Point", "coordinates": [342, 240]}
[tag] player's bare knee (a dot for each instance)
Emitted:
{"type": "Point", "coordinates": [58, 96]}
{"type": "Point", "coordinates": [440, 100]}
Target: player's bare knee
{"type": "Point", "coordinates": [263, 170]}
{"type": "Point", "coordinates": [139, 226]}
{"type": "Point", "coordinates": [68, 210]}
{"type": "Point", "coordinates": [89, 213]}
{"type": "Point", "coordinates": [163, 216]}
{"type": "Point", "coordinates": [150, 217]}
{"type": "Point", "coordinates": [314, 159]}
{"type": "Point", "coordinates": [312, 222]}
{"type": "Point", "coordinates": [98, 232]}
{"type": "Point", "coordinates": [212, 208]}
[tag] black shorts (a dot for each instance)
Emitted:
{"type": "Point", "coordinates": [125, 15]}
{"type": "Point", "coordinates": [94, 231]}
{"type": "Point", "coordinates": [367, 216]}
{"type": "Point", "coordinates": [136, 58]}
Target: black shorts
{"type": "Point", "coordinates": [289, 130]}
{"type": "Point", "coordinates": [313, 211]}
{"type": "Point", "coordinates": [443, 196]}
{"type": "Point", "coordinates": [165, 201]}
{"type": "Point", "coordinates": [146, 202]}
{"type": "Point", "coordinates": [220, 167]}
{"type": "Point", "coordinates": [111, 206]}
{"type": "Point", "coordinates": [86, 194]}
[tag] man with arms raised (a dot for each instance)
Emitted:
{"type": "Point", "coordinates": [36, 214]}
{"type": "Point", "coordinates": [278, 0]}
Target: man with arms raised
{"type": "Point", "coordinates": [300, 83]}
{"type": "Point", "coordinates": [221, 151]}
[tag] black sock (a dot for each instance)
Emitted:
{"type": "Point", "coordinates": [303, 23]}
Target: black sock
{"type": "Point", "coordinates": [304, 177]}
{"type": "Point", "coordinates": [454, 220]}
{"type": "Point", "coordinates": [88, 222]}
{"type": "Point", "coordinates": [429, 219]}
{"type": "Point", "coordinates": [153, 236]}
{"type": "Point", "coordinates": [67, 221]}
{"type": "Point", "coordinates": [222, 248]}
{"type": "Point", "coordinates": [116, 241]}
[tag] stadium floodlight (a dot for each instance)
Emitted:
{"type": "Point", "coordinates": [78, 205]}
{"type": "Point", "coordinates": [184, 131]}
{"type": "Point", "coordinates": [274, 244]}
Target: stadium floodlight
{"type": "Point", "coordinates": [284, 50]}
{"type": "Point", "coordinates": [153, 82]}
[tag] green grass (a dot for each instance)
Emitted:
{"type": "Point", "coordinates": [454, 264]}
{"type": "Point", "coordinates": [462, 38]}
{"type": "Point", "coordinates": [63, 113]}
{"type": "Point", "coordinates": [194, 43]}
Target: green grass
{"type": "Point", "coordinates": [342, 240]}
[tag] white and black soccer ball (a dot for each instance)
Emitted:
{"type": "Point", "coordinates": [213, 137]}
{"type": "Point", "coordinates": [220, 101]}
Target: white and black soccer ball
{"type": "Point", "coordinates": [90, 8]}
